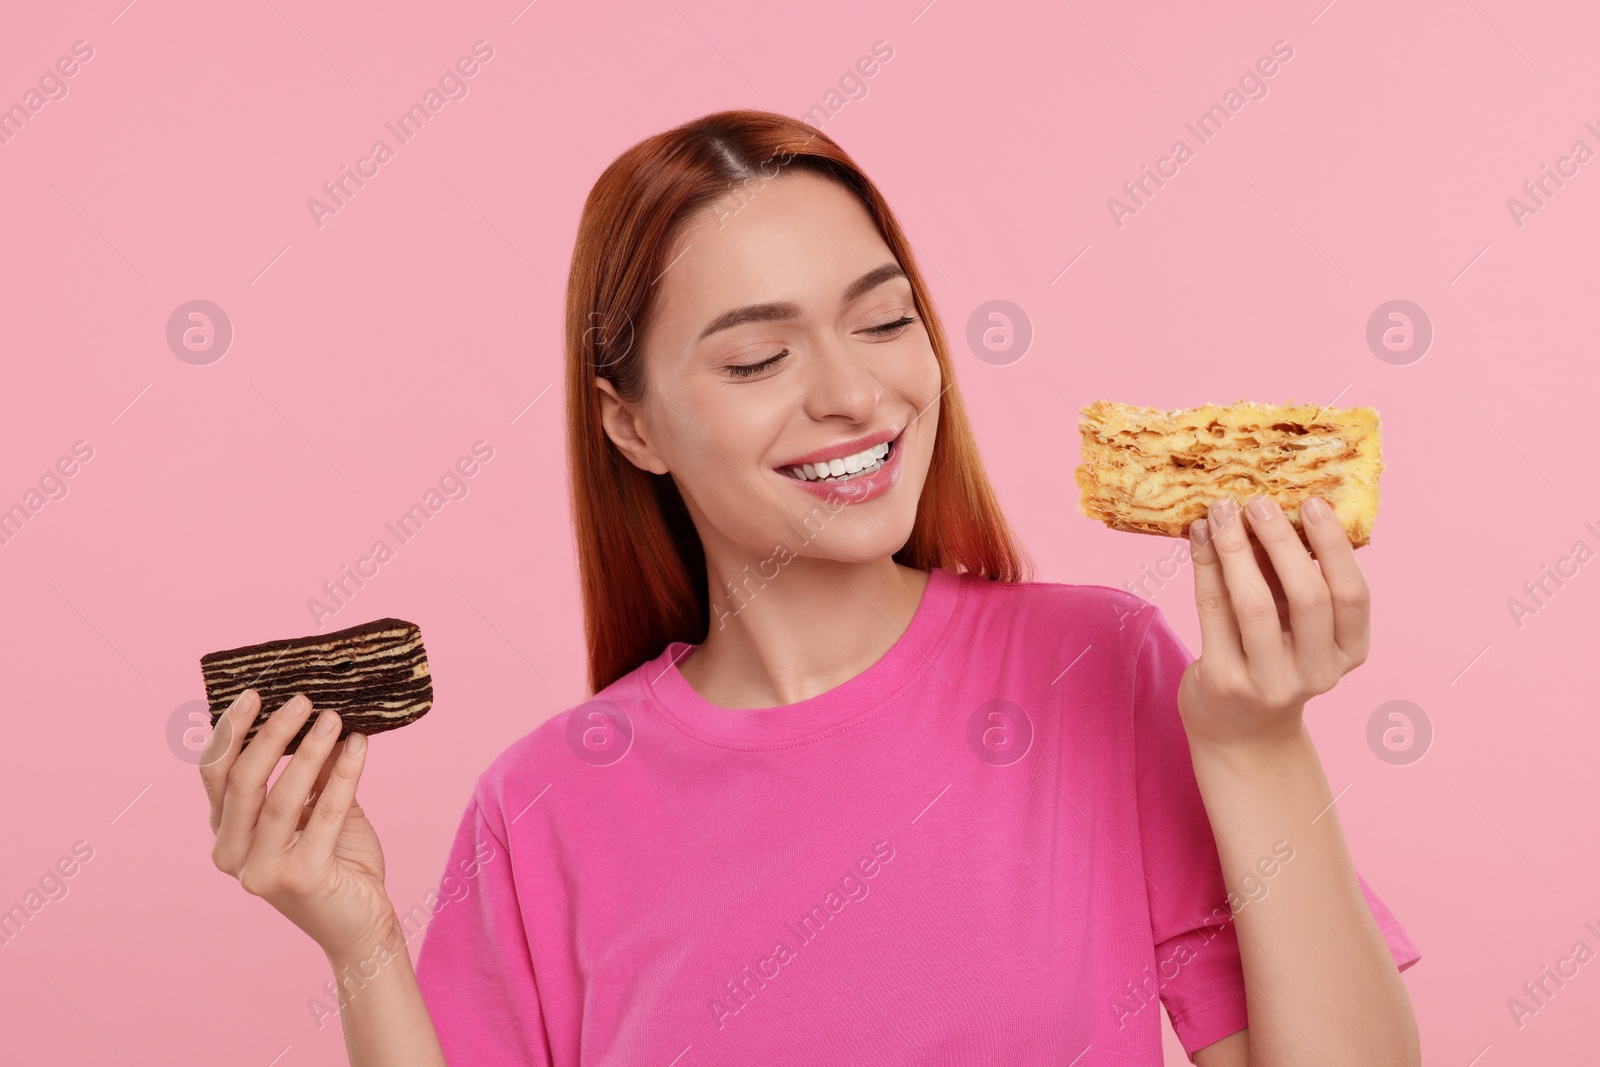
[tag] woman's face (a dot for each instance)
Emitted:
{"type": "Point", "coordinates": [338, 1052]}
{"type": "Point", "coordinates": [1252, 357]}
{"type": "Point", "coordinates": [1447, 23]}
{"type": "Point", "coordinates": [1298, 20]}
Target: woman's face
{"type": "Point", "coordinates": [785, 332]}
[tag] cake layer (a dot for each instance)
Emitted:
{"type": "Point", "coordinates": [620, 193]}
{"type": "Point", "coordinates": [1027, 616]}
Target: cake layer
{"type": "Point", "coordinates": [1150, 471]}
{"type": "Point", "coordinates": [374, 675]}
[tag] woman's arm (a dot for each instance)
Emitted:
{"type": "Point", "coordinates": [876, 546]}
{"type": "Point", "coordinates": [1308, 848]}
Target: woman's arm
{"type": "Point", "coordinates": [1321, 985]}
{"type": "Point", "coordinates": [386, 1023]}
{"type": "Point", "coordinates": [318, 861]}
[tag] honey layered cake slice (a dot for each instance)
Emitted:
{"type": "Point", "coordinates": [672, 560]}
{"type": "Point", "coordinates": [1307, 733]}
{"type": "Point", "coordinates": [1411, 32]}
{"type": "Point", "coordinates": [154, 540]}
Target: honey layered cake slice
{"type": "Point", "coordinates": [374, 675]}
{"type": "Point", "coordinates": [1150, 471]}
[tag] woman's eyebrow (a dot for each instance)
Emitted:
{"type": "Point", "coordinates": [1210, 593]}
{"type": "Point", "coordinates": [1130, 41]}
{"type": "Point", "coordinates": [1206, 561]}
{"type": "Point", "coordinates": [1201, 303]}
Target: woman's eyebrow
{"type": "Point", "coordinates": [780, 310]}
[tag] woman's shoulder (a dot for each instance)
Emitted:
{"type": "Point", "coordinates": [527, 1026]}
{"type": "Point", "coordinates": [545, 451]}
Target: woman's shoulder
{"type": "Point", "coordinates": [575, 730]}
{"type": "Point", "coordinates": [595, 731]}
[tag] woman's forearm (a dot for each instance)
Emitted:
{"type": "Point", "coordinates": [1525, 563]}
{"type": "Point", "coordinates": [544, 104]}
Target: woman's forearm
{"type": "Point", "coordinates": [386, 1022]}
{"type": "Point", "coordinates": [1321, 985]}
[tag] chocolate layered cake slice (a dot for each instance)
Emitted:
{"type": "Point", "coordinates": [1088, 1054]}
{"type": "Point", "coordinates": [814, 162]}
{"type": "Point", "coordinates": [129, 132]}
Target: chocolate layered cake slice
{"type": "Point", "coordinates": [1155, 472]}
{"type": "Point", "coordinates": [374, 675]}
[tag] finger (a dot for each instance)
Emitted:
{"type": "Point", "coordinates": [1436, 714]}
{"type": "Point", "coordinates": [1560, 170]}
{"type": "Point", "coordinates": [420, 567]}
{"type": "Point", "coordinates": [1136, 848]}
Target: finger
{"type": "Point", "coordinates": [222, 748]}
{"type": "Point", "coordinates": [1219, 630]}
{"type": "Point", "coordinates": [1279, 597]}
{"type": "Point", "coordinates": [1352, 601]}
{"type": "Point", "coordinates": [1310, 603]}
{"type": "Point", "coordinates": [320, 784]}
{"type": "Point", "coordinates": [247, 780]}
{"type": "Point", "coordinates": [327, 818]}
{"type": "Point", "coordinates": [327, 769]}
{"type": "Point", "coordinates": [286, 800]}
{"type": "Point", "coordinates": [1265, 647]}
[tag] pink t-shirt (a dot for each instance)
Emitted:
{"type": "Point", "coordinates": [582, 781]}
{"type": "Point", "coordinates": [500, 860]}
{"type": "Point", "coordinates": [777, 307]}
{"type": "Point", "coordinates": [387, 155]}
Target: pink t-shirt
{"type": "Point", "coordinates": [988, 847]}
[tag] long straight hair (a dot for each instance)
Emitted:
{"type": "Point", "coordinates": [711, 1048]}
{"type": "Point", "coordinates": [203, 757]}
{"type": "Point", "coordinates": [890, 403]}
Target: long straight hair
{"type": "Point", "coordinates": [640, 560]}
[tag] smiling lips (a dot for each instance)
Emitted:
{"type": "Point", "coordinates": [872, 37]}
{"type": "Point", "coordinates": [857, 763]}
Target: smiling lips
{"type": "Point", "coordinates": [842, 450]}
{"type": "Point", "coordinates": [846, 457]}
{"type": "Point", "coordinates": [863, 462]}
{"type": "Point", "coordinates": [855, 471]}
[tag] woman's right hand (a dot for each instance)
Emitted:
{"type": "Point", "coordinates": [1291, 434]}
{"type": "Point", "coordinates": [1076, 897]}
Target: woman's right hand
{"type": "Point", "coordinates": [305, 847]}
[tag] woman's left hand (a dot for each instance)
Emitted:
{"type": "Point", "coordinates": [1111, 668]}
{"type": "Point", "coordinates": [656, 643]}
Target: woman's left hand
{"type": "Point", "coordinates": [1275, 629]}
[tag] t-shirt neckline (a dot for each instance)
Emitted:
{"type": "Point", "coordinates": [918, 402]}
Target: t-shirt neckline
{"type": "Point", "coordinates": [810, 719]}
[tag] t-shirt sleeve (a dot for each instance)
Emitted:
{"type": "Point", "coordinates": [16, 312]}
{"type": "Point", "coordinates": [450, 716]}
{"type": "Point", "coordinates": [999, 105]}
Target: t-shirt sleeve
{"type": "Point", "coordinates": [1197, 963]}
{"type": "Point", "coordinates": [475, 969]}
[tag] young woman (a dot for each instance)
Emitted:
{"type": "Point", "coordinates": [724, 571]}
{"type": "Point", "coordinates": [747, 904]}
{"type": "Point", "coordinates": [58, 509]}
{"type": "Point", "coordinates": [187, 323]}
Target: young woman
{"type": "Point", "coordinates": [851, 788]}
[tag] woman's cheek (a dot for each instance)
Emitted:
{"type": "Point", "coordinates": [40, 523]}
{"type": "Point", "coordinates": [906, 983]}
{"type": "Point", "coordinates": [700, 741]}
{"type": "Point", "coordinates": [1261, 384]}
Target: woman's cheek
{"type": "Point", "coordinates": [924, 375]}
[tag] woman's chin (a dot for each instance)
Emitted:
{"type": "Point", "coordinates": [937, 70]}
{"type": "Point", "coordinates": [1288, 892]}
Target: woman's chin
{"type": "Point", "coordinates": [857, 540]}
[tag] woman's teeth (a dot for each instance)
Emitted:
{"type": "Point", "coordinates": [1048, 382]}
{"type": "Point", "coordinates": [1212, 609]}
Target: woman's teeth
{"type": "Point", "coordinates": [845, 468]}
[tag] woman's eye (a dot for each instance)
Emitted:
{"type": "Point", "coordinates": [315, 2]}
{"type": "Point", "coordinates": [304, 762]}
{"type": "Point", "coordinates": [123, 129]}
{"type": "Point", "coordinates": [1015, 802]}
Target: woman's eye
{"type": "Point", "coordinates": [890, 327]}
{"type": "Point", "coordinates": [749, 369]}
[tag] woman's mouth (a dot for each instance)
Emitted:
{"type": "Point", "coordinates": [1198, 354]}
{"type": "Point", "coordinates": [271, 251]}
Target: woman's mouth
{"type": "Point", "coordinates": [861, 464]}
{"type": "Point", "coordinates": [853, 479]}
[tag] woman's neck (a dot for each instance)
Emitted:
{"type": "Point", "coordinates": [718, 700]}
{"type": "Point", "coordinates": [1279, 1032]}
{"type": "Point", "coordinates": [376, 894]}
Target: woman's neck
{"type": "Point", "coordinates": [788, 628]}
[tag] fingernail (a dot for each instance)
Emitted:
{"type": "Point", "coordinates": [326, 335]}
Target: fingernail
{"type": "Point", "coordinates": [325, 724]}
{"type": "Point", "coordinates": [1262, 507]}
{"type": "Point", "coordinates": [1316, 509]}
{"type": "Point", "coordinates": [355, 742]}
{"type": "Point", "coordinates": [1200, 532]}
{"type": "Point", "coordinates": [1221, 512]}
{"type": "Point", "coordinates": [297, 706]}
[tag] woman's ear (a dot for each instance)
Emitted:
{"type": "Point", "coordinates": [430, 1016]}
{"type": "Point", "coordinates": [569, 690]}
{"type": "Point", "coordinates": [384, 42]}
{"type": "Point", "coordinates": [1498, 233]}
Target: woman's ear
{"type": "Point", "coordinates": [626, 429]}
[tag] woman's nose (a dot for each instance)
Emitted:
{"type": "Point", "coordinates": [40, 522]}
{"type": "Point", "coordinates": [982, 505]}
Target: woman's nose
{"type": "Point", "coordinates": [841, 382]}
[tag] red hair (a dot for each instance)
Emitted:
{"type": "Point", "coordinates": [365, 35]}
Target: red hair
{"type": "Point", "coordinates": [640, 561]}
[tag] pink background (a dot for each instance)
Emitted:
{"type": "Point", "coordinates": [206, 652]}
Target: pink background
{"type": "Point", "coordinates": [426, 315]}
